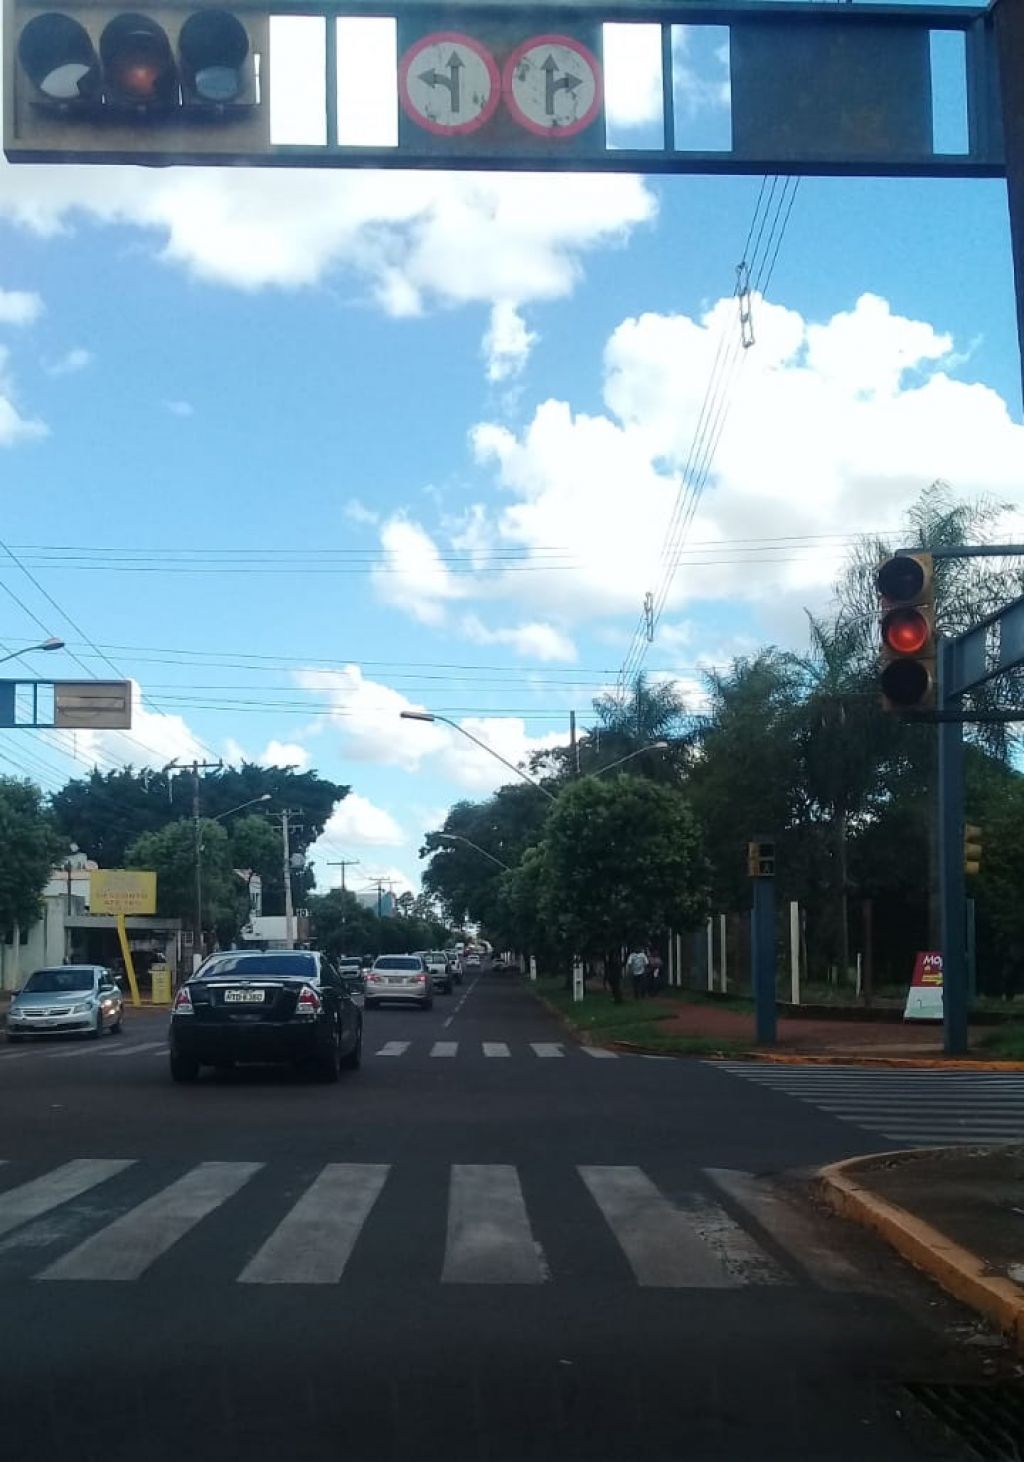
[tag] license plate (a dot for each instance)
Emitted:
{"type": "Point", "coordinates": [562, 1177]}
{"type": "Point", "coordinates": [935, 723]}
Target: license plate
{"type": "Point", "coordinates": [244, 997]}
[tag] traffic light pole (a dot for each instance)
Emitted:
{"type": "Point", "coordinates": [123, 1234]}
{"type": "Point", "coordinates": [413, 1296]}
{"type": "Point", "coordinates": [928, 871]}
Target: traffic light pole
{"type": "Point", "coordinates": [762, 959]}
{"type": "Point", "coordinates": [951, 859]}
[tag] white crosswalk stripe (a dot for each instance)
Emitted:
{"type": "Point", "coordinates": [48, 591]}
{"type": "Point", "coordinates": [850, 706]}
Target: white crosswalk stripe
{"type": "Point", "coordinates": [444, 1048]}
{"type": "Point", "coordinates": [394, 1048]}
{"type": "Point", "coordinates": [489, 1235]}
{"type": "Point", "coordinates": [313, 1244]}
{"type": "Point", "coordinates": [600, 1053]}
{"type": "Point", "coordinates": [546, 1048]}
{"type": "Point", "coordinates": [921, 1107]}
{"type": "Point", "coordinates": [499, 1050]}
{"type": "Point", "coordinates": [128, 1246]}
{"type": "Point", "coordinates": [706, 1234]}
{"type": "Point", "coordinates": [31, 1200]}
{"type": "Point", "coordinates": [496, 1048]}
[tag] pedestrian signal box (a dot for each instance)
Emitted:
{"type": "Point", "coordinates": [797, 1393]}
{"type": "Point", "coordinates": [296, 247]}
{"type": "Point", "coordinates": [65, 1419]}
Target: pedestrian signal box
{"type": "Point", "coordinates": [91, 78]}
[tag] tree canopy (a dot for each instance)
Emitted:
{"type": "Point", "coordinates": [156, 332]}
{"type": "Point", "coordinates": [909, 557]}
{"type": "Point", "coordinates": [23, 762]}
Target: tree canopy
{"type": "Point", "coordinates": [29, 847]}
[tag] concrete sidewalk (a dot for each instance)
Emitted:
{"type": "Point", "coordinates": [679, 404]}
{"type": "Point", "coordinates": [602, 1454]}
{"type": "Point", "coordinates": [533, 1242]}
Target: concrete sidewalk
{"type": "Point", "coordinates": [956, 1213]}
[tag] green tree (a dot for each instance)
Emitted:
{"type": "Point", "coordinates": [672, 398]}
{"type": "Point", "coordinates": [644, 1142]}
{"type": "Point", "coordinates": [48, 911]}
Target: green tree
{"type": "Point", "coordinates": [254, 848]}
{"type": "Point", "coordinates": [29, 848]}
{"type": "Point", "coordinates": [466, 879]}
{"type": "Point", "coordinates": [622, 860]}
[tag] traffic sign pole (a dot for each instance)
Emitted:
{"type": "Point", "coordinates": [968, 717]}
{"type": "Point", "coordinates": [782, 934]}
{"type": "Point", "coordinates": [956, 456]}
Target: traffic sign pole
{"type": "Point", "coordinates": [951, 862]}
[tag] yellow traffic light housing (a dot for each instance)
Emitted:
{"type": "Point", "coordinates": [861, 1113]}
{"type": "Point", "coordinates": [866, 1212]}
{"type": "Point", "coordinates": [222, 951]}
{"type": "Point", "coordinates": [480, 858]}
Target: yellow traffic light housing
{"type": "Point", "coordinates": [95, 82]}
{"type": "Point", "coordinates": [761, 859]}
{"type": "Point", "coordinates": [972, 850]}
{"type": "Point", "coordinates": [907, 630]}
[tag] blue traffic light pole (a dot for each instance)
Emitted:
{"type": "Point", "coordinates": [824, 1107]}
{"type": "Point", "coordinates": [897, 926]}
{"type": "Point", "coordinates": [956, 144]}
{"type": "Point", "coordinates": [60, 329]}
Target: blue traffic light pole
{"type": "Point", "coordinates": [763, 959]}
{"type": "Point", "coordinates": [951, 855]}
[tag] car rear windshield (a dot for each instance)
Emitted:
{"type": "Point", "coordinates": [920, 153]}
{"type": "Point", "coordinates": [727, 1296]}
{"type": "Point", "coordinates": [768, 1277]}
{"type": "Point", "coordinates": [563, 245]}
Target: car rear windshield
{"type": "Point", "coordinates": [283, 966]}
{"type": "Point", "coordinates": [53, 982]}
{"type": "Point", "coordinates": [398, 962]}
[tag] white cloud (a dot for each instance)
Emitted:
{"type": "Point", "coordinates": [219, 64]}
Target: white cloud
{"type": "Point", "coordinates": [284, 754]}
{"type": "Point", "coordinates": [71, 361]}
{"type": "Point", "coordinates": [413, 576]}
{"type": "Point", "coordinates": [507, 343]}
{"type": "Point", "coordinates": [367, 716]}
{"type": "Point", "coordinates": [535, 640]}
{"type": "Point", "coordinates": [359, 823]}
{"type": "Point", "coordinates": [416, 238]}
{"type": "Point", "coordinates": [358, 512]}
{"type": "Point", "coordinates": [837, 422]}
{"type": "Point", "coordinates": [180, 408]}
{"type": "Point", "coordinates": [14, 427]}
{"type": "Point", "coordinates": [19, 307]}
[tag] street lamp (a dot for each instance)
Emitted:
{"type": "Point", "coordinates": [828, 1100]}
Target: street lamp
{"type": "Point", "coordinates": [266, 796]}
{"type": "Point", "coordinates": [458, 838]}
{"type": "Point", "coordinates": [50, 644]}
{"type": "Point", "coordinates": [654, 746]}
{"type": "Point", "coordinates": [434, 716]}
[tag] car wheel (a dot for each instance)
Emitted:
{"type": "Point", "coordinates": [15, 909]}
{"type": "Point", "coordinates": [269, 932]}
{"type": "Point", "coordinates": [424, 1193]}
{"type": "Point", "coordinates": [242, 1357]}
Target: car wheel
{"type": "Point", "coordinates": [183, 1068]}
{"type": "Point", "coordinates": [118, 1026]}
{"type": "Point", "coordinates": [370, 1004]}
{"type": "Point", "coordinates": [97, 1030]}
{"type": "Point", "coordinates": [354, 1059]}
{"type": "Point", "coordinates": [328, 1066]}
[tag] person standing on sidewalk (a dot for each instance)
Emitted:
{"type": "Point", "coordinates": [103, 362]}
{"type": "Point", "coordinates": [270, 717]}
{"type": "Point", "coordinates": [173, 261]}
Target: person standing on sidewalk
{"type": "Point", "coordinates": [613, 976]}
{"type": "Point", "coordinates": [637, 967]}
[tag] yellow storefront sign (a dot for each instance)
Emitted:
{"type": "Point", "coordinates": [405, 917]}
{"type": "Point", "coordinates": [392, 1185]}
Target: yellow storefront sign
{"type": "Point", "coordinates": [122, 891]}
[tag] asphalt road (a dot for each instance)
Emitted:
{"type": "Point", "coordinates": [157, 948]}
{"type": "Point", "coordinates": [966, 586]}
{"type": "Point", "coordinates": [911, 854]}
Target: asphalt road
{"type": "Point", "coordinates": [488, 1244]}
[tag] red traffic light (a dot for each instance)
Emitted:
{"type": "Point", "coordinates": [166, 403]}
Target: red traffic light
{"type": "Point", "coordinates": [138, 64]}
{"type": "Point", "coordinates": [906, 631]}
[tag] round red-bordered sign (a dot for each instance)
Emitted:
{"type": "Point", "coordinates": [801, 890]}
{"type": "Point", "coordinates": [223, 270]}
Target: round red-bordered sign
{"type": "Point", "coordinates": [449, 84]}
{"type": "Point", "coordinates": [552, 85]}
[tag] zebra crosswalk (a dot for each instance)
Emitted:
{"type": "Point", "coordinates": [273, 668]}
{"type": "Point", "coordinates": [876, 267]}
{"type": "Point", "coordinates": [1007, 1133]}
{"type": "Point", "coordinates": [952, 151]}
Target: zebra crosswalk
{"type": "Point", "coordinates": [121, 1220]}
{"type": "Point", "coordinates": [918, 1107]}
{"type": "Point", "coordinates": [491, 1050]}
{"type": "Point", "coordinates": [76, 1050]}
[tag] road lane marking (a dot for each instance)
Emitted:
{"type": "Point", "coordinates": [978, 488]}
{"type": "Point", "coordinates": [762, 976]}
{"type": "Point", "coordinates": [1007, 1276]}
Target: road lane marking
{"type": "Point", "coordinates": [70, 1180]}
{"type": "Point", "coordinates": [496, 1048]}
{"type": "Point", "coordinates": [394, 1048]}
{"type": "Point", "coordinates": [128, 1246]}
{"type": "Point", "coordinates": [546, 1048]}
{"type": "Point", "coordinates": [444, 1048]}
{"type": "Point", "coordinates": [599, 1053]}
{"type": "Point", "coordinates": [313, 1243]}
{"type": "Point", "coordinates": [142, 1050]}
{"type": "Point", "coordinates": [87, 1050]}
{"type": "Point", "coordinates": [489, 1239]}
{"type": "Point", "coordinates": [659, 1241]}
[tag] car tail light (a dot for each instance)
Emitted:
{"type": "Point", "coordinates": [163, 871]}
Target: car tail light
{"type": "Point", "coordinates": [371, 976]}
{"type": "Point", "coordinates": [309, 1002]}
{"type": "Point", "coordinates": [420, 979]}
{"type": "Point", "coordinates": [182, 1003]}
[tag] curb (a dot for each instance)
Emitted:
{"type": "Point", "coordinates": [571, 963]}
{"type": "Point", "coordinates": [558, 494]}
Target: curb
{"type": "Point", "coordinates": [960, 1272]}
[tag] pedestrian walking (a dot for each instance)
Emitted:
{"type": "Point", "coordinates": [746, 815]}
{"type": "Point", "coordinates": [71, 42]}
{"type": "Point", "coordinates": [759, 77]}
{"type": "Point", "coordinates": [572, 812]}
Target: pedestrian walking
{"type": "Point", "coordinates": [637, 967]}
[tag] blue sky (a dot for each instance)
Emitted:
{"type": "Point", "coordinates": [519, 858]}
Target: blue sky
{"type": "Point", "coordinates": [423, 434]}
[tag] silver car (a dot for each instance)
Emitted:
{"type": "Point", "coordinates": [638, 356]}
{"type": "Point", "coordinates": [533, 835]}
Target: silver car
{"type": "Point", "coordinates": [66, 1000]}
{"type": "Point", "coordinates": [399, 977]}
{"type": "Point", "coordinates": [436, 962]}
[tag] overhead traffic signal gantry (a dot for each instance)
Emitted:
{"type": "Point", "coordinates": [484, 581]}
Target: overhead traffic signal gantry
{"type": "Point", "coordinates": [905, 585]}
{"type": "Point", "coordinates": [126, 85]}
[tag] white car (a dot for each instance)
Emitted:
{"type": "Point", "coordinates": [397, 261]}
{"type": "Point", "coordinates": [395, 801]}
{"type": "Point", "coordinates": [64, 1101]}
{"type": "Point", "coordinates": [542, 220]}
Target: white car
{"type": "Point", "coordinates": [436, 962]}
{"type": "Point", "coordinates": [399, 977]}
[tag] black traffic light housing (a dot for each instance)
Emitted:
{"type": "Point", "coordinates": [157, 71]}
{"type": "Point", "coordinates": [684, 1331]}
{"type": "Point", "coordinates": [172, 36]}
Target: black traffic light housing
{"type": "Point", "coordinates": [113, 84]}
{"type": "Point", "coordinates": [907, 662]}
{"type": "Point", "coordinates": [972, 849]}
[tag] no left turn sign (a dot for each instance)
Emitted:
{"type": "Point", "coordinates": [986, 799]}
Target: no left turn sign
{"type": "Point", "coordinates": [449, 83]}
{"type": "Point", "coordinates": [552, 85]}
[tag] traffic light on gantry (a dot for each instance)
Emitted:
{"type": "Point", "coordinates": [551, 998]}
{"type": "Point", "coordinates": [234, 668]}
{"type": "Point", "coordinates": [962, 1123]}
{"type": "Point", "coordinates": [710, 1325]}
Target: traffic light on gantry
{"type": "Point", "coordinates": [91, 80]}
{"type": "Point", "coordinates": [907, 606]}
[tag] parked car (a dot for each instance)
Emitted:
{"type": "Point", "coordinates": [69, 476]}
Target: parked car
{"type": "Point", "coordinates": [66, 1000]}
{"type": "Point", "coordinates": [269, 1005]}
{"type": "Point", "coordinates": [399, 977]}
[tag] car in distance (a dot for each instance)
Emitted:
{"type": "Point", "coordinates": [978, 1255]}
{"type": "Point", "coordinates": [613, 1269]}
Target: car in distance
{"type": "Point", "coordinates": [66, 1000]}
{"type": "Point", "coordinates": [397, 977]}
{"type": "Point", "coordinates": [455, 968]}
{"type": "Point", "coordinates": [350, 968]}
{"type": "Point", "coordinates": [471, 961]}
{"type": "Point", "coordinates": [271, 1005]}
{"type": "Point", "coordinates": [437, 968]}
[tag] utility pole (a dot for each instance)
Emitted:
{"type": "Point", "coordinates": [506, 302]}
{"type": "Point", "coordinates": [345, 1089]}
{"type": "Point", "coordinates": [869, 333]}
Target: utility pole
{"type": "Point", "coordinates": [194, 770]}
{"type": "Point", "coordinates": [343, 863]}
{"type": "Point", "coordinates": [289, 912]}
{"type": "Point", "coordinates": [574, 749]}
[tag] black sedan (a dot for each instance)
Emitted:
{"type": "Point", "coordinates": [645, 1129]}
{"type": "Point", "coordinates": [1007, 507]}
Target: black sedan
{"type": "Point", "coordinates": [274, 1005]}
